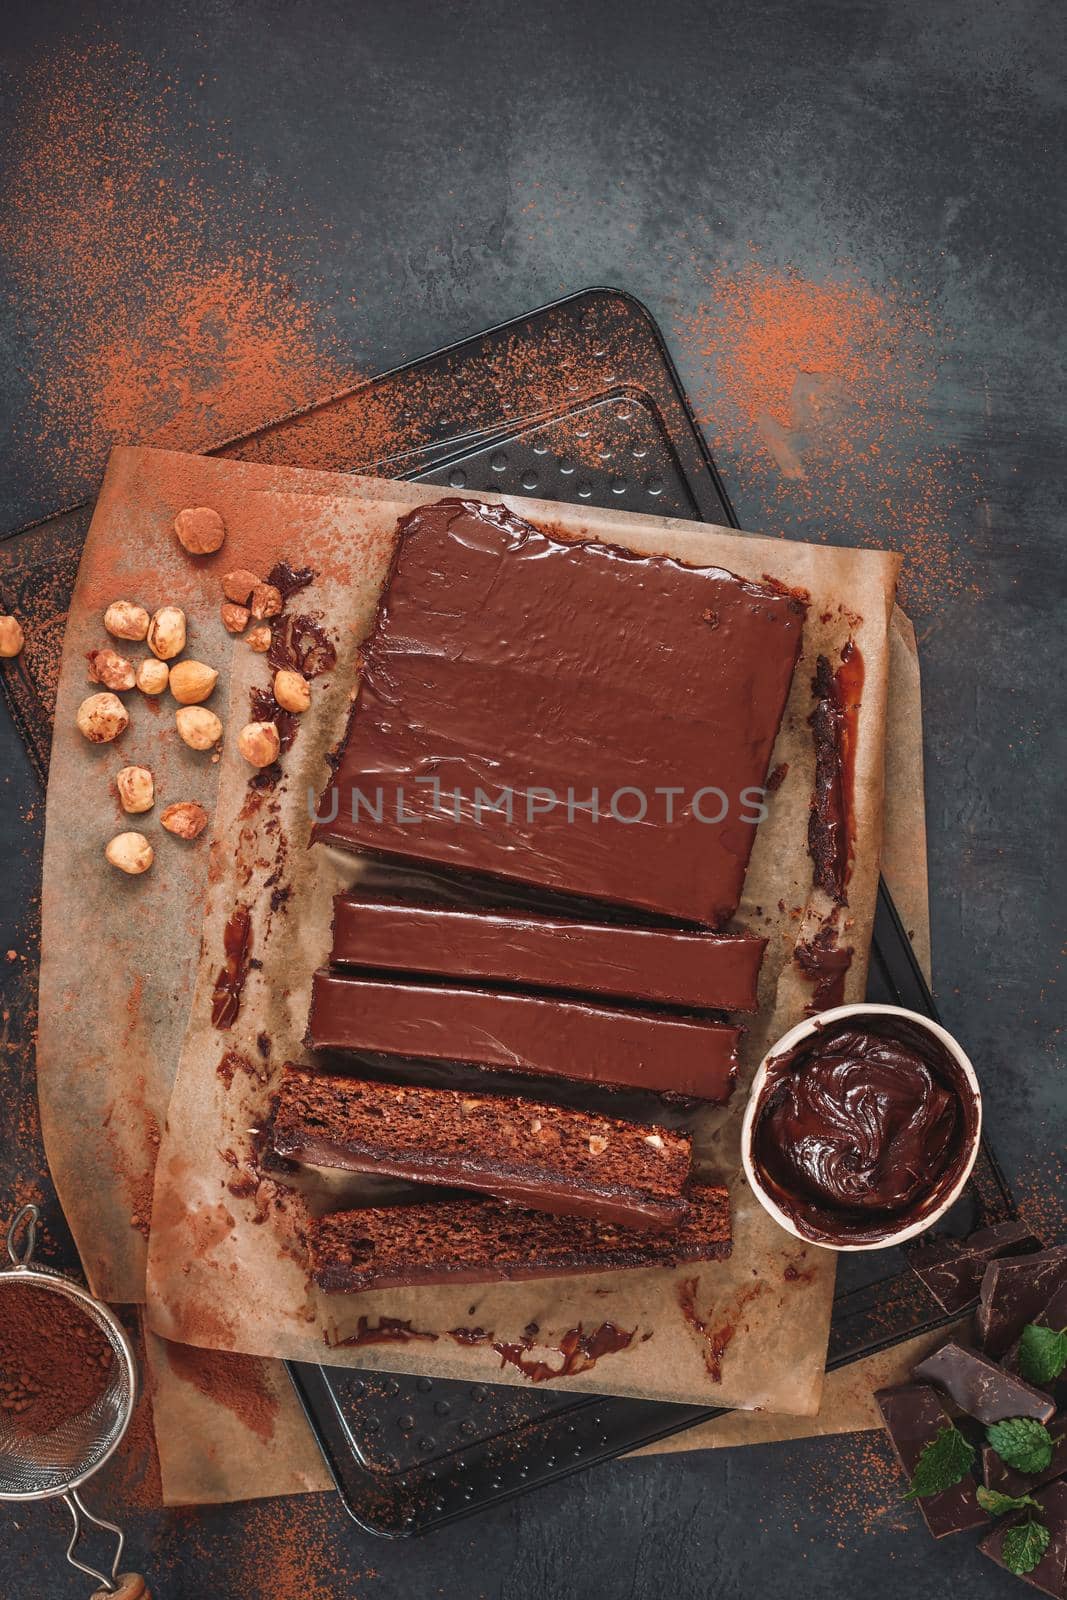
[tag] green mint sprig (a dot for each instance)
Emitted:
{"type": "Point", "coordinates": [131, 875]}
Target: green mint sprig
{"type": "Point", "coordinates": [1042, 1353]}
{"type": "Point", "coordinates": [1021, 1442]}
{"type": "Point", "coordinates": [998, 1505]}
{"type": "Point", "coordinates": [943, 1462]}
{"type": "Point", "coordinates": [1024, 1546]}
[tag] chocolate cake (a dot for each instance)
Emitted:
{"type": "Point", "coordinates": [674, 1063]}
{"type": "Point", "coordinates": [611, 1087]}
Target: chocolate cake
{"type": "Point", "coordinates": [666, 965]}
{"type": "Point", "coordinates": [543, 1035]}
{"type": "Point", "coordinates": [564, 713]}
{"type": "Point", "coordinates": [484, 1241]}
{"type": "Point", "coordinates": [536, 1155]}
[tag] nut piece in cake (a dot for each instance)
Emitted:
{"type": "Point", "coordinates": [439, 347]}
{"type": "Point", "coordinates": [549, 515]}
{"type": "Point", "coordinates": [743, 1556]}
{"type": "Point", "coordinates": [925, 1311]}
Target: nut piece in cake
{"type": "Point", "coordinates": [111, 669]}
{"type": "Point", "coordinates": [200, 530]}
{"type": "Point", "coordinates": [199, 727]}
{"type": "Point", "coordinates": [187, 819]}
{"type": "Point", "coordinates": [102, 717]}
{"type": "Point", "coordinates": [259, 743]}
{"type": "Point", "coordinates": [136, 788]}
{"type": "Point", "coordinates": [166, 633]}
{"type": "Point", "coordinates": [124, 620]}
{"type": "Point", "coordinates": [292, 690]}
{"type": "Point", "coordinates": [192, 681]}
{"type": "Point", "coordinates": [130, 852]}
{"type": "Point", "coordinates": [12, 637]}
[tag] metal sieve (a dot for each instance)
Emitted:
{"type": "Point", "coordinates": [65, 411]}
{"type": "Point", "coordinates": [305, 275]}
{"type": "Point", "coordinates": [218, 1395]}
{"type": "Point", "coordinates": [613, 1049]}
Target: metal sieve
{"type": "Point", "coordinates": [43, 1466]}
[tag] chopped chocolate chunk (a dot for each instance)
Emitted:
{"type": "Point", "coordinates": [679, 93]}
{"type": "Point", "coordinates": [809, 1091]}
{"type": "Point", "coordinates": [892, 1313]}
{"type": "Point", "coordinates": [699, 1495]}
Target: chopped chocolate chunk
{"type": "Point", "coordinates": [1050, 1574]}
{"type": "Point", "coordinates": [1014, 1292]}
{"type": "Point", "coordinates": [542, 1156]}
{"type": "Point", "coordinates": [1053, 1315]}
{"type": "Point", "coordinates": [998, 1475]}
{"type": "Point", "coordinates": [914, 1416]}
{"type": "Point", "coordinates": [586, 728]}
{"type": "Point", "coordinates": [715, 971]}
{"type": "Point", "coordinates": [980, 1388]}
{"type": "Point", "coordinates": [484, 1241]}
{"type": "Point", "coordinates": [543, 1035]}
{"type": "Point", "coordinates": [952, 1268]}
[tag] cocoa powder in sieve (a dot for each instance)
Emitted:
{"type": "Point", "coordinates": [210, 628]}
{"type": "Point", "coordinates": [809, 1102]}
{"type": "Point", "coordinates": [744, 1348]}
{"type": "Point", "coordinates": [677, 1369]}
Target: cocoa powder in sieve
{"type": "Point", "coordinates": [54, 1362]}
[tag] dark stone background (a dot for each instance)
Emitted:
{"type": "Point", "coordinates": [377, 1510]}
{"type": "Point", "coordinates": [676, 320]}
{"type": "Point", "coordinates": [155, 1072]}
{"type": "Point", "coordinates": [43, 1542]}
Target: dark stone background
{"type": "Point", "coordinates": [920, 141]}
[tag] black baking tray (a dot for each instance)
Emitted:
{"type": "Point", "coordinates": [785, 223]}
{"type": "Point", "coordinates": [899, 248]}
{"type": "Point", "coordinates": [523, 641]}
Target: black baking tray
{"type": "Point", "coordinates": [608, 425]}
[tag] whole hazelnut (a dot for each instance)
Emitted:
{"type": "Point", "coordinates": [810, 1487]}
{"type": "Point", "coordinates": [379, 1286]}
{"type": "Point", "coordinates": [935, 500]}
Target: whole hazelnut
{"type": "Point", "coordinates": [238, 585]}
{"type": "Point", "coordinates": [199, 727]}
{"type": "Point", "coordinates": [152, 675]}
{"type": "Point", "coordinates": [166, 633]}
{"type": "Point", "coordinates": [124, 620]}
{"type": "Point", "coordinates": [12, 637]}
{"type": "Point", "coordinates": [258, 639]}
{"type": "Point", "coordinates": [102, 717]}
{"type": "Point", "coordinates": [187, 819]}
{"type": "Point", "coordinates": [200, 530]}
{"type": "Point", "coordinates": [111, 669]}
{"type": "Point", "coordinates": [234, 617]}
{"type": "Point", "coordinates": [137, 789]}
{"type": "Point", "coordinates": [259, 743]}
{"type": "Point", "coordinates": [292, 691]}
{"type": "Point", "coordinates": [192, 681]}
{"type": "Point", "coordinates": [597, 1144]}
{"type": "Point", "coordinates": [130, 852]}
{"type": "Point", "coordinates": [266, 601]}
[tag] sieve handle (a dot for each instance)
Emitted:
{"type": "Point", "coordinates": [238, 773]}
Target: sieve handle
{"type": "Point", "coordinates": [24, 1220]}
{"type": "Point", "coordinates": [128, 1586]}
{"type": "Point", "coordinates": [115, 1585]}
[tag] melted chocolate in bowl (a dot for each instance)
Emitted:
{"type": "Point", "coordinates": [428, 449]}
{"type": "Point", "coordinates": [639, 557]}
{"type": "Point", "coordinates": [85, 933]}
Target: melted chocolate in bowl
{"type": "Point", "coordinates": [863, 1128]}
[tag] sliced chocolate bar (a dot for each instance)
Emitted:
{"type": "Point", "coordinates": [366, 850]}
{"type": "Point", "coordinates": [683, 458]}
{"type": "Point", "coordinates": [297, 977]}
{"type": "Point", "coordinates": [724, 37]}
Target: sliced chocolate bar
{"type": "Point", "coordinates": [980, 1388]}
{"type": "Point", "coordinates": [1050, 1574]}
{"type": "Point", "coordinates": [1013, 1293]}
{"type": "Point", "coordinates": [952, 1268]}
{"type": "Point", "coordinates": [998, 1475]}
{"type": "Point", "coordinates": [914, 1416]}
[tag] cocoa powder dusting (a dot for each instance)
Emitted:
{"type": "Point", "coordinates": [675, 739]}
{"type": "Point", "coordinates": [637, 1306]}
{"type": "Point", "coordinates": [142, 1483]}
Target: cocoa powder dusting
{"type": "Point", "coordinates": [54, 1361]}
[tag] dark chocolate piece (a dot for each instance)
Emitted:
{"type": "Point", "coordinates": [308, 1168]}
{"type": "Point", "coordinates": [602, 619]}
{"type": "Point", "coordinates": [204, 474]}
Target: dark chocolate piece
{"type": "Point", "coordinates": [541, 1156]}
{"type": "Point", "coordinates": [1050, 1575]}
{"type": "Point", "coordinates": [952, 1268]}
{"type": "Point", "coordinates": [914, 1417]}
{"type": "Point", "coordinates": [1014, 1292]}
{"type": "Point", "coordinates": [709, 970]}
{"type": "Point", "coordinates": [1053, 1315]}
{"type": "Point", "coordinates": [484, 1241]}
{"type": "Point", "coordinates": [980, 1388]}
{"type": "Point", "coordinates": [543, 1035]}
{"type": "Point", "coordinates": [564, 713]}
{"type": "Point", "coordinates": [998, 1475]}
{"type": "Point", "coordinates": [863, 1127]}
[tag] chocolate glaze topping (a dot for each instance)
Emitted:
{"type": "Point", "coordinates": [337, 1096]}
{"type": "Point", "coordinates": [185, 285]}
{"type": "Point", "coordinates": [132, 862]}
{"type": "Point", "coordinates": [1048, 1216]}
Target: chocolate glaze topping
{"type": "Point", "coordinates": [863, 1126]}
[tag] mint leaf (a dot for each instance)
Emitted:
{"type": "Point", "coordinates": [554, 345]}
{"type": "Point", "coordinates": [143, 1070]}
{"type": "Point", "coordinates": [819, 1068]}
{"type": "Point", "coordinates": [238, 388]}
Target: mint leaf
{"type": "Point", "coordinates": [1024, 1546]}
{"type": "Point", "coordinates": [943, 1462]}
{"type": "Point", "coordinates": [1042, 1353]}
{"type": "Point", "coordinates": [998, 1505]}
{"type": "Point", "coordinates": [1022, 1442]}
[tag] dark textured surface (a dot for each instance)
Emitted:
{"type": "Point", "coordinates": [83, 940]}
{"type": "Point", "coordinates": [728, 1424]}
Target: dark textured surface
{"type": "Point", "coordinates": [920, 142]}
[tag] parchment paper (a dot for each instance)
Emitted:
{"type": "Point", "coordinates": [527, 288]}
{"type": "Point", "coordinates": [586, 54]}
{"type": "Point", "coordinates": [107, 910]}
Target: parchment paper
{"type": "Point", "coordinates": [221, 1277]}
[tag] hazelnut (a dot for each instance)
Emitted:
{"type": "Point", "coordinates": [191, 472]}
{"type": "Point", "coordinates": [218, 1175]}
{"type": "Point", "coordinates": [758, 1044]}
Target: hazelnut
{"type": "Point", "coordinates": [199, 727]}
{"type": "Point", "coordinates": [292, 691]}
{"type": "Point", "coordinates": [192, 681]}
{"type": "Point", "coordinates": [259, 743]}
{"type": "Point", "coordinates": [655, 1140]}
{"type": "Point", "coordinates": [187, 819]}
{"type": "Point", "coordinates": [166, 633]}
{"type": "Point", "coordinates": [102, 717]}
{"type": "Point", "coordinates": [238, 585]}
{"type": "Point", "coordinates": [137, 789]}
{"type": "Point", "coordinates": [200, 530]}
{"type": "Point", "coordinates": [266, 601]}
{"type": "Point", "coordinates": [258, 639]}
{"type": "Point", "coordinates": [597, 1144]}
{"type": "Point", "coordinates": [124, 620]}
{"type": "Point", "coordinates": [130, 852]}
{"type": "Point", "coordinates": [12, 637]}
{"type": "Point", "coordinates": [234, 617]}
{"type": "Point", "coordinates": [152, 675]}
{"type": "Point", "coordinates": [110, 669]}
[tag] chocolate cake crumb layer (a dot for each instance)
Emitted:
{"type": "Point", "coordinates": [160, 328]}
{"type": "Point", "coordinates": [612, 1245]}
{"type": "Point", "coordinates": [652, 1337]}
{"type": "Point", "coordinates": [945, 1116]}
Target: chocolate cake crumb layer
{"type": "Point", "coordinates": [564, 713]}
{"type": "Point", "coordinates": [484, 1241]}
{"type": "Point", "coordinates": [542, 1156]}
{"type": "Point", "coordinates": [716, 972]}
{"type": "Point", "coordinates": [539, 1034]}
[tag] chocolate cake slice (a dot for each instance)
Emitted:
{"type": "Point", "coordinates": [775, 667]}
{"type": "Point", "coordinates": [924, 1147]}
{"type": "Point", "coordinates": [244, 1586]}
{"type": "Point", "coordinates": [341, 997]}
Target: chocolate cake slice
{"type": "Point", "coordinates": [564, 713]}
{"type": "Point", "coordinates": [539, 1034]}
{"type": "Point", "coordinates": [714, 971]}
{"type": "Point", "coordinates": [484, 1241]}
{"type": "Point", "coordinates": [541, 1156]}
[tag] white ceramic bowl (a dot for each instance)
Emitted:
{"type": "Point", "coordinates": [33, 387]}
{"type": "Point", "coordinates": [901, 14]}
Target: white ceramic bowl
{"type": "Point", "coordinates": [789, 1041]}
